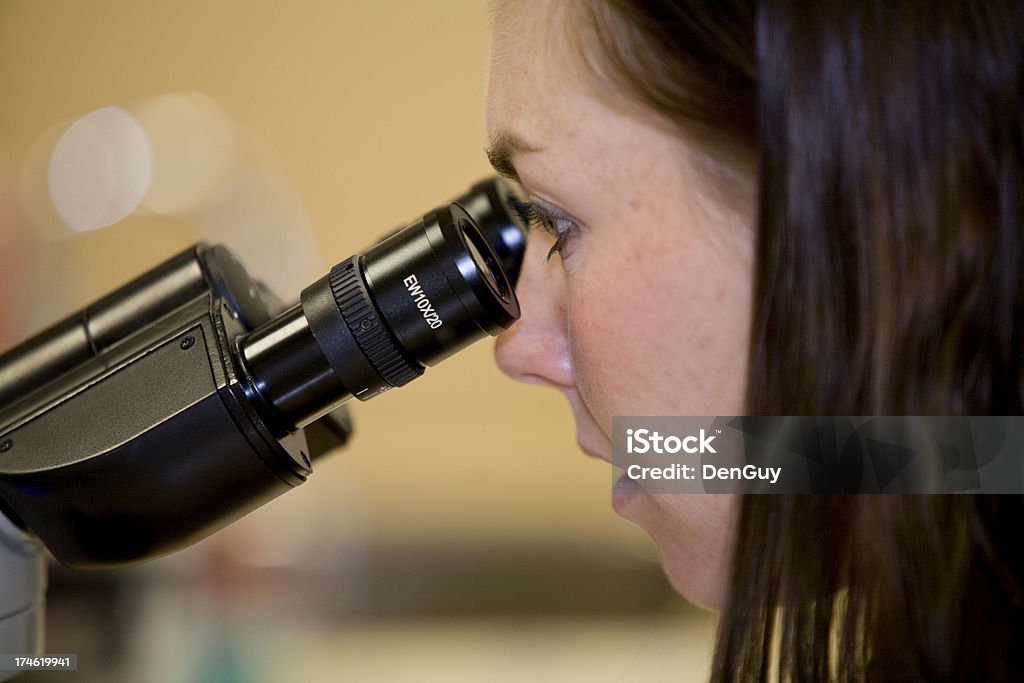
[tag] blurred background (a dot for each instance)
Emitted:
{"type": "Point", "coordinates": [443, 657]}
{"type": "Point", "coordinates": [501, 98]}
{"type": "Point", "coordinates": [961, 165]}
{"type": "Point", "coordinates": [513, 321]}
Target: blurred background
{"type": "Point", "coordinates": [461, 535]}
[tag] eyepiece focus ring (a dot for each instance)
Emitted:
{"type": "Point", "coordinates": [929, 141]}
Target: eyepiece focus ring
{"type": "Point", "coordinates": [364, 322]}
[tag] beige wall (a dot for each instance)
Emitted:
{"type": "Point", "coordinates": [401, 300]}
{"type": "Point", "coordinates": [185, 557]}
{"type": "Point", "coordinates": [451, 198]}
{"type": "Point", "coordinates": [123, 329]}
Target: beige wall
{"type": "Point", "coordinates": [370, 112]}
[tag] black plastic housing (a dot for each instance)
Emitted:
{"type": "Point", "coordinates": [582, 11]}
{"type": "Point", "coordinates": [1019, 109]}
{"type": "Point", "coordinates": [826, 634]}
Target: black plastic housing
{"type": "Point", "coordinates": [151, 442]}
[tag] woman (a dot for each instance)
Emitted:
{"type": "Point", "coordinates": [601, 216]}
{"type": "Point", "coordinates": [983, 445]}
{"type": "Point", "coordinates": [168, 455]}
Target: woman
{"type": "Point", "coordinates": [787, 209]}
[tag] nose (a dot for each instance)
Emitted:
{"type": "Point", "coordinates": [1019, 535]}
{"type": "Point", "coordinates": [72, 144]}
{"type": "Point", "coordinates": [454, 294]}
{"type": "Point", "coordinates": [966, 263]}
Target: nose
{"type": "Point", "coordinates": [536, 348]}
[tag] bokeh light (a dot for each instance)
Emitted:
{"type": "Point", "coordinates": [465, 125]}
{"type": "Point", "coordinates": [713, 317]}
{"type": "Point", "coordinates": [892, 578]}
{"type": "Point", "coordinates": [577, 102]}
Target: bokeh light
{"type": "Point", "coordinates": [100, 169]}
{"type": "Point", "coordinates": [195, 149]}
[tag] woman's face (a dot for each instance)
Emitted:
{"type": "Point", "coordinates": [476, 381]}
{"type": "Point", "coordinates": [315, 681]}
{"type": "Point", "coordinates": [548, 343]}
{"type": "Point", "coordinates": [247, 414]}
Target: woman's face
{"type": "Point", "coordinates": [646, 310]}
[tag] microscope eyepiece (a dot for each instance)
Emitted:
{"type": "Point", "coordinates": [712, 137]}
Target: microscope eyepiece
{"type": "Point", "coordinates": [488, 203]}
{"type": "Point", "coordinates": [378, 319]}
{"type": "Point", "coordinates": [190, 395]}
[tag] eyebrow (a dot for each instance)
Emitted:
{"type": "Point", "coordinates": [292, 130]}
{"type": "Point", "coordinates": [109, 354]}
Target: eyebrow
{"type": "Point", "coordinates": [501, 150]}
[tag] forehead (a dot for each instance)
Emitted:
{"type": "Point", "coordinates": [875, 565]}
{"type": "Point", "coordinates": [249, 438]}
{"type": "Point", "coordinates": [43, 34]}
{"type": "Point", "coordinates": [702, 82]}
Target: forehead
{"type": "Point", "coordinates": [534, 80]}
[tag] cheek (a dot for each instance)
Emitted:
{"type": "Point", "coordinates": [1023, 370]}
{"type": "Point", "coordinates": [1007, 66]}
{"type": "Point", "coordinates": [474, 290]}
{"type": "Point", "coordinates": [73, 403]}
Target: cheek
{"type": "Point", "coordinates": [607, 345]}
{"type": "Point", "coordinates": [659, 331]}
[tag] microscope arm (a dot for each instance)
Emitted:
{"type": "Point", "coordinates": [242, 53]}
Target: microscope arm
{"type": "Point", "coordinates": [22, 592]}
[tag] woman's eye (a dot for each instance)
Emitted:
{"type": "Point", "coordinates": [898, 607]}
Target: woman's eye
{"type": "Point", "coordinates": [559, 227]}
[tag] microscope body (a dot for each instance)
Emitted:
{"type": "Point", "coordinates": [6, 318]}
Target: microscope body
{"type": "Point", "coordinates": [191, 396]}
{"type": "Point", "coordinates": [150, 441]}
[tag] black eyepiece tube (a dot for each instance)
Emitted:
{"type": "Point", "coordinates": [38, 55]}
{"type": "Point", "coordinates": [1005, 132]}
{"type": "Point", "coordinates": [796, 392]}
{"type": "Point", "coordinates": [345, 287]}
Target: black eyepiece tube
{"type": "Point", "coordinates": [488, 203]}
{"type": "Point", "coordinates": [377, 320]}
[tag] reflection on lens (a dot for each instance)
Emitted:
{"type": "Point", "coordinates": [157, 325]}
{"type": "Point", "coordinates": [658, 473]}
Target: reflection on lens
{"type": "Point", "coordinates": [488, 204]}
{"type": "Point", "coordinates": [484, 259]}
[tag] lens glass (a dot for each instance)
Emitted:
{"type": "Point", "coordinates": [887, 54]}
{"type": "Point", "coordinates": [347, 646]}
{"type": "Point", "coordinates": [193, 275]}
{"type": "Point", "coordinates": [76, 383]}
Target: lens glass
{"type": "Point", "coordinates": [484, 259]}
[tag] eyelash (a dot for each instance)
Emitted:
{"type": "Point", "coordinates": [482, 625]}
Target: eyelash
{"type": "Point", "coordinates": [557, 226]}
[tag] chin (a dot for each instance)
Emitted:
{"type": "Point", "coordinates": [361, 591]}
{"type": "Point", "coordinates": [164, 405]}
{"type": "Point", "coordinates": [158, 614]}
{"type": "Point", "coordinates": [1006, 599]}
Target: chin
{"type": "Point", "coordinates": [704, 592]}
{"type": "Point", "coordinates": [696, 564]}
{"type": "Point", "coordinates": [693, 534]}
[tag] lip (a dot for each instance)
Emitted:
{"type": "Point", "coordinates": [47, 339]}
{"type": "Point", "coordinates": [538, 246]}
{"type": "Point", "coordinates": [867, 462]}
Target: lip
{"type": "Point", "coordinates": [624, 492]}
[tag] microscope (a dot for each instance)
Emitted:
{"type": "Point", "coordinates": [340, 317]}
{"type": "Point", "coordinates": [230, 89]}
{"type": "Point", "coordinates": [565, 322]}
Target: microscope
{"type": "Point", "coordinates": [191, 396]}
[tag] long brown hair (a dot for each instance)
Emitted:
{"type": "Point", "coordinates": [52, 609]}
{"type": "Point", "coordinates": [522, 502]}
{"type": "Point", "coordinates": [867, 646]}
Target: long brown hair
{"type": "Point", "coordinates": [889, 280]}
